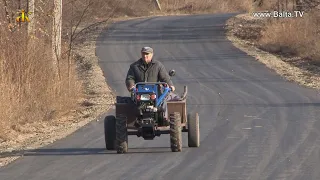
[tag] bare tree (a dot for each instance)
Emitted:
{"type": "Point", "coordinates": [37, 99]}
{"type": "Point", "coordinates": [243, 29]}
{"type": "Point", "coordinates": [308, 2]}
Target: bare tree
{"type": "Point", "coordinates": [56, 36]}
{"type": "Point", "coordinates": [31, 24]}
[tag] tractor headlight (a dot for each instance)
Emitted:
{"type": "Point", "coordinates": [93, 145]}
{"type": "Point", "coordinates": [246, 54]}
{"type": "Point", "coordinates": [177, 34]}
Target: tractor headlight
{"type": "Point", "coordinates": [145, 97]}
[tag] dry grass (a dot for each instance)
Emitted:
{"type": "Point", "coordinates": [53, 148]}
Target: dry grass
{"type": "Point", "coordinates": [30, 91]}
{"type": "Point", "coordinates": [296, 36]}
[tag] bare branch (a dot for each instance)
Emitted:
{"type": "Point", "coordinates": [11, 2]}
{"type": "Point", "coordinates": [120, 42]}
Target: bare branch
{"type": "Point", "coordinates": [94, 24]}
{"type": "Point", "coordinates": [82, 15]}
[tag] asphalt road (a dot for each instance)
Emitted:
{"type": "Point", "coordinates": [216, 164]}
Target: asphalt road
{"type": "Point", "coordinates": [254, 124]}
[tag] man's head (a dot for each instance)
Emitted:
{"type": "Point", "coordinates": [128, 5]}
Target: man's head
{"type": "Point", "coordinates": [147, 54]}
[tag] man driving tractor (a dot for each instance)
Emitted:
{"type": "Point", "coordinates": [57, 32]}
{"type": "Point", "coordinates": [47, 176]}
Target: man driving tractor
{"type": "Point", "coordinates": [147, 110]}
{"type": "Point", "coordinates": [147, 69]}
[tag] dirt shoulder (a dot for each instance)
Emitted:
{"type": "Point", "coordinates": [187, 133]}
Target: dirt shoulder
{"type": "Point", "coordinates": [244, 30]}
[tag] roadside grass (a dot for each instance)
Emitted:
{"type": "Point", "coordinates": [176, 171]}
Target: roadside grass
{"type": "Point", "coordinates": [293, 36]}
{"type": "Point", "coordinates": [30, 92]}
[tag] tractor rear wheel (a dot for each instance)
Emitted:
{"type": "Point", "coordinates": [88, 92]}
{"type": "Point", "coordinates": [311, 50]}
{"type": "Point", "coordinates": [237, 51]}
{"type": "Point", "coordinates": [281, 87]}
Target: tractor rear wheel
{"type": "Point", "coordinates": [110, 132]}
{"type": "Point", "coordinates": [175, 132]}
{"type": "Point", "coordinates": [193, 130]}
{"type": "Point", "coordinates": [121, 134]}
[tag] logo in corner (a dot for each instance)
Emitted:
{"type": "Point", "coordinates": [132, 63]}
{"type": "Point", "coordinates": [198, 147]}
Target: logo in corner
{"type": "Point", "coordinates": [23, 16]}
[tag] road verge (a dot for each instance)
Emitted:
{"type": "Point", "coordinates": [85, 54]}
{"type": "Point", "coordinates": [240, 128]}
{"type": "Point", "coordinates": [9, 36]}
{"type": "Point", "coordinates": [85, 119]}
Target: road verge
{"type": "Point", "coordinates": [244, 31]}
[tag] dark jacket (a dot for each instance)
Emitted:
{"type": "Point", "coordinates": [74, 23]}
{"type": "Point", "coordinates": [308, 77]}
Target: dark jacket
{"type": "Point", "coordinates": [139, 71]}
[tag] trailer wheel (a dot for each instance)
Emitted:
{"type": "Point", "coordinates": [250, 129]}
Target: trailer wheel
{"type": "Point", "coordinates": [193, 130]}
{"type": "Point", "coordinates": [110, 132]}
{"type": "Point", "coordinates": [121, 134]}
{"type": "Point", "coordinates": [175, 132]}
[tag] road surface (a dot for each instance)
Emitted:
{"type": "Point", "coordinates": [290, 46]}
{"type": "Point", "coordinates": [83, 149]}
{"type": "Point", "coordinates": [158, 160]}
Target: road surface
{"type": "Point", "coordinates": [254, 124]}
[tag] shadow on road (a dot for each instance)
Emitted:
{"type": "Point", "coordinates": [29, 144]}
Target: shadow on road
{"type": "Point", "coordinates": [81, 151]}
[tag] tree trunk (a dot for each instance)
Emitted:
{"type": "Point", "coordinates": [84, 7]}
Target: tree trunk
{"type": "Point", "coordinates": [31, 16]}
{"type": "Point", "coordinates": [19, 7]}
{"type": "Point", "coordinates": [6, 11]}
{"type": "Point", "coordinates": [158, 4]}
{"type": "Point", "coordinates": [56, 36]}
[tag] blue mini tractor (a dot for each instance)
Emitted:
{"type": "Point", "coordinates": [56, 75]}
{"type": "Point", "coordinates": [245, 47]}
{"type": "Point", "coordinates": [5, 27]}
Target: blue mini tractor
{"type": "Point", "coordinates": [147, 114]}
